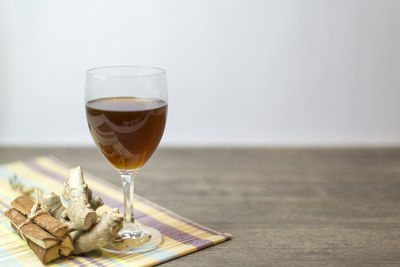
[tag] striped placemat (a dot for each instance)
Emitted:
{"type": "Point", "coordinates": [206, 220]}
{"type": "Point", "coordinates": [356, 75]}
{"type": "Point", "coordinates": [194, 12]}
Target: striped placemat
{"type": "Point", "coordinates": [181, 236]}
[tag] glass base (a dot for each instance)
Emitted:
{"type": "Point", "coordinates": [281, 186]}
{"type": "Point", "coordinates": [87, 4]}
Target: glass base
{"type": "Point", "coordinates": [135, 239]}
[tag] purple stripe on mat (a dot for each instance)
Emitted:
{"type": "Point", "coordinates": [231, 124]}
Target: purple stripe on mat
{"type": "Point", "coordinates": [76, 261]}
{"type": "Point", "coordinates": [165, 229]}
{"type": "Point", "coordinates": [34, 165]}
{"type": "Point", "coordinates": [148, 203]}
{"type": "Point", "coordinates": [5, 204]}
{"type": "Point", "coordinates": [93, 261]}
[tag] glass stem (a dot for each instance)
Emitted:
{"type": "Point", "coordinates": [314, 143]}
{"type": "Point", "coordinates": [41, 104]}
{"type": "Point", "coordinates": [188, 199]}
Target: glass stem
{"type": "Point", "coordinates": [128, 178]}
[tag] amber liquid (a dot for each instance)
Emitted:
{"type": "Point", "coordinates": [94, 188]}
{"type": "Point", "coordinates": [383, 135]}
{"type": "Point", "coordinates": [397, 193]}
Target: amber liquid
{"type": "Point", "coordinates": [127, 130]}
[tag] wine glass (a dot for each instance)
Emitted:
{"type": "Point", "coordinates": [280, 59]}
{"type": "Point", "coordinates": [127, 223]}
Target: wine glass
{"type": "Point", "coordinates": [126, 109]}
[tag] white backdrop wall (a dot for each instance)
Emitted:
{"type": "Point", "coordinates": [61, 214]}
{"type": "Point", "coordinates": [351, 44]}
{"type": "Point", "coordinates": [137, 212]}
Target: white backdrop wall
{"type": "Point", "coordinates": [240, 72]}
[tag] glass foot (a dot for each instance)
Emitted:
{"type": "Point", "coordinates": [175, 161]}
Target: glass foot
{"type": "Point", "coordinates": [135, 239]}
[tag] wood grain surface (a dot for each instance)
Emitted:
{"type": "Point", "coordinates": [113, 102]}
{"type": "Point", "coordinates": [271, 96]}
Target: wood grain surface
{"type": "Point", "coordinates": [297, 207]}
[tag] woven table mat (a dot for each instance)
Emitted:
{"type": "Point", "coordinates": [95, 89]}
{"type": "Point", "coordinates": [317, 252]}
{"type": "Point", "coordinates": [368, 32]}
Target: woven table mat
{"type": "Point", "coordinates": [181, 236]}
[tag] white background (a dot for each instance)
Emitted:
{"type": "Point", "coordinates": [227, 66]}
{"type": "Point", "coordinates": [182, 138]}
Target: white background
{"type": "Point", "coordinates": [240, 72]}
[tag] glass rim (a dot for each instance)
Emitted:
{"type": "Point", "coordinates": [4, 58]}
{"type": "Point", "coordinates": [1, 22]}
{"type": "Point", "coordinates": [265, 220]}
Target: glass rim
{"type": "Point", "coordinates": [156, 71]}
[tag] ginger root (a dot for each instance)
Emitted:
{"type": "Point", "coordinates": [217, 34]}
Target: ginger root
{"type": "Point", "coordinates": [101, 234]}
{"type": "Point", "coordinates": [80, 211]}
{"type": "Point", "coordinates": [94, 201]}
{"type": "Point", "coordinates": [52, 204]}
{"type": "Point", "coordinates": [90, 233]}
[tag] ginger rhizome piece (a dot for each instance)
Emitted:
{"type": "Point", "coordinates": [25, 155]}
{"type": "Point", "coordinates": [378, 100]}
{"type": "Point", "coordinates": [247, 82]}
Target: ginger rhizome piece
{"type": "Point", "coordinates": [80, 212]}
{"type": "Point", "coordinates": [53, 205]}
{"type": "Point", "coordinates": [101, 234]}
{"type": "Point", "coordinates": [91, 232]}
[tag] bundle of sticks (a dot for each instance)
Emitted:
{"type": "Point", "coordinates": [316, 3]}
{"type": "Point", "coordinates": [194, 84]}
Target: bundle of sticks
{"type": "Point", "coordinates": [47, 236]}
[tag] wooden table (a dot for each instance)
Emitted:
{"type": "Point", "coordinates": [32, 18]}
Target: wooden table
{"type": "Point", "coordinates": [306, 207]}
